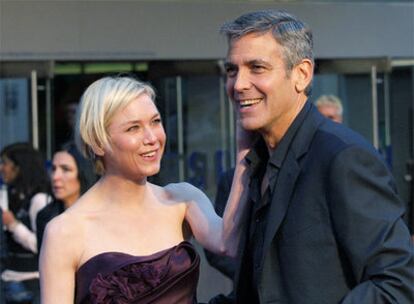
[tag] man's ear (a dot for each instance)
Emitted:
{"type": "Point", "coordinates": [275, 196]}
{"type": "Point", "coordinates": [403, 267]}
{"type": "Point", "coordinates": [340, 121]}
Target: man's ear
{"type": "Point", "coordinates": [303, 73]}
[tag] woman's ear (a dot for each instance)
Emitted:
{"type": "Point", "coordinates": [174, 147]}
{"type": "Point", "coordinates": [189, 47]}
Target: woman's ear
{"type": "Point", "coordinates": [98, 151]}
{"type": "Point", "coordinates": [303, 73]}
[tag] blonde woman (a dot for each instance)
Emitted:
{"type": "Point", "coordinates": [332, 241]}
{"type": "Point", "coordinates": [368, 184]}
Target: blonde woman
{"type": "Point", "coordinates": [123, 241]}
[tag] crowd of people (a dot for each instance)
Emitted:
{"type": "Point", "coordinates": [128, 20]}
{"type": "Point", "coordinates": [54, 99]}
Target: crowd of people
{"type": "Point", "coordinates": [309, 214]}
{"type": "Point", "coordinates": [33, 200]}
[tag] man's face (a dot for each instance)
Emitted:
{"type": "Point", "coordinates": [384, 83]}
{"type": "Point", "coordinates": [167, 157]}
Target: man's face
{"type": "Point", "coordinates": [262, 91]}
{"type": "Point", "coordinates": [331, 112]}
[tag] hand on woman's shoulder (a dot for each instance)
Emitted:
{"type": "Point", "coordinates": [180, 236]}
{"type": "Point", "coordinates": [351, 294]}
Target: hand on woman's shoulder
{"type": "Point", "coordinates": [182, 192]}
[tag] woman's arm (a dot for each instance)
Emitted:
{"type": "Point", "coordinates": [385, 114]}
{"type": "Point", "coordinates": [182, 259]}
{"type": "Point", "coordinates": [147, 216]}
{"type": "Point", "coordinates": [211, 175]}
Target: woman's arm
{"type": "Point", "coordinates": [212, 232]}
{"type": "Point", "coordinates": [58, 261]}
{"type": "Point", "coordinates": [21, 233]}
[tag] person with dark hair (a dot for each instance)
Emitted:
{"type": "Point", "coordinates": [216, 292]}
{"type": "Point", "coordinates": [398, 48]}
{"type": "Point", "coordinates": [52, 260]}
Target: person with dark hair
{"type": "Point", "coordinates": [23, 171]}
{"type": "Point", "coordinates": [325, 223]}
{"type": "Point", "coordinates": [72, 175]}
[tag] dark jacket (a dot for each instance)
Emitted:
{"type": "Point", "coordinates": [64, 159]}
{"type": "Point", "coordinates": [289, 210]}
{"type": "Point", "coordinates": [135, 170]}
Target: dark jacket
{"type": "Point", "coordinates": [44, 216]}
{"type": "Point", "coordinates": [334, 230]}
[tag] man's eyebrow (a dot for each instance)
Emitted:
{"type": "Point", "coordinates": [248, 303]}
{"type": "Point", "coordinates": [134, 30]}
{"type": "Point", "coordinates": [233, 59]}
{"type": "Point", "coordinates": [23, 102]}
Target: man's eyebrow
{"type": "Point", "coordinates": [229, 64]}
{"type": "Point", "coordinates": [258, 61]}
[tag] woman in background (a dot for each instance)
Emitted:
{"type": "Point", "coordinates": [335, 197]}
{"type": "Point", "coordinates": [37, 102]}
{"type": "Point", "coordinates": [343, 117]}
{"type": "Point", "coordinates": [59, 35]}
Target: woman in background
{"type": "Point", "coordinates": [23, 171]}
{"type": "Point", "coordinates": [71, 176]}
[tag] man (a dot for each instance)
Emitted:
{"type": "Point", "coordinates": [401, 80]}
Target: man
{"type": "Point", "coordinates": [330, 106]}
{"type": "Point", "coordinates": [325, 224]}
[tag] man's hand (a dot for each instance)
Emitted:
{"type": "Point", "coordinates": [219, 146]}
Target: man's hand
{"type": "Point", "coordinates": [182, 192]}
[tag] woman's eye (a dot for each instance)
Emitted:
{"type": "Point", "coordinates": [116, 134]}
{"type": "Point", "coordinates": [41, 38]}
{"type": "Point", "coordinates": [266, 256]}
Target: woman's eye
{"type": "Point", "coordinates": [157, 121]}
{"type": "Point", "coordinates": [133, 128]}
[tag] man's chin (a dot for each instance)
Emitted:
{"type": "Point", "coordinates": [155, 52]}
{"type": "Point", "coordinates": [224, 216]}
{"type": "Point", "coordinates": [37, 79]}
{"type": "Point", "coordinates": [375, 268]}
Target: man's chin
{"type": "Point", "coordinates": [249, 125]}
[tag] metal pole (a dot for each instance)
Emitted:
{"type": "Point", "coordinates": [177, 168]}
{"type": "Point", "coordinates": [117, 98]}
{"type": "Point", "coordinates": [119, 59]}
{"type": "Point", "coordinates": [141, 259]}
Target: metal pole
{"type": "Point", "coordinates": [223, 128]}
{"type": "Point", "coordinates": [387, 110]}
{"type": "Point", "coordinates": [180, 133]}
{"type": "Point", "coordinates": [35, 116]}
{"type": "Point", "coordinates": [375, 137]}
{"type": "Point", "coordinates": [232, 133]}
{"type": "Point", "coordinates": [48, 120]}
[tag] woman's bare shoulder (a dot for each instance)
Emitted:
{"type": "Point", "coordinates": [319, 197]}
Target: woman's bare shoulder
{"type": "Point", "coordinates": [64, 226]}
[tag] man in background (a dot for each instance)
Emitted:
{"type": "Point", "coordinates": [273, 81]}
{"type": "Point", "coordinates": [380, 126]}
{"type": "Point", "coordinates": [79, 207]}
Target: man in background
{"type": "Point", "coordinates": [330, 106]}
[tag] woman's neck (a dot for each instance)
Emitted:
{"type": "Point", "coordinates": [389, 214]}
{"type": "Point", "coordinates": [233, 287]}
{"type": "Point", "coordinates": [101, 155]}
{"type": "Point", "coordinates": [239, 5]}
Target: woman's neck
{"type": "Point", "coordinates": [124, 192]}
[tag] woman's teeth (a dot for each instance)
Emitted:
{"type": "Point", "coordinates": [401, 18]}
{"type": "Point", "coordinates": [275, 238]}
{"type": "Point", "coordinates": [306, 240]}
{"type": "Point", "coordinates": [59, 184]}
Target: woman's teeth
{"type": "Point", "coordinates": [149, 154]}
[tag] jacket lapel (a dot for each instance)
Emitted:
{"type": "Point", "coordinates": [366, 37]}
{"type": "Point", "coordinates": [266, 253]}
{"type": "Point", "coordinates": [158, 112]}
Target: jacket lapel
{"type": "Point", "coordinates": [290, 171]}
{"type": "Point", "coordinates": [283, 190]}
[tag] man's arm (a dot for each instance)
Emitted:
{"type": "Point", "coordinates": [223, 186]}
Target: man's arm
{"type": "Point", "coordinates": [367, 219]}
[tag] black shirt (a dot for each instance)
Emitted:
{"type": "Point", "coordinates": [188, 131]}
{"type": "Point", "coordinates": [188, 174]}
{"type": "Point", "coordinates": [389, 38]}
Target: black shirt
{"type": "Point", "coordinates": [259, 161]}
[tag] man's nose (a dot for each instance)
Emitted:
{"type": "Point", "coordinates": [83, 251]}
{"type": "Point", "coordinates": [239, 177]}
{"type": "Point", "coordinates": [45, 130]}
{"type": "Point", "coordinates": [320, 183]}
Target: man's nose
{"type": "Point", "coordinates": [241, 81]}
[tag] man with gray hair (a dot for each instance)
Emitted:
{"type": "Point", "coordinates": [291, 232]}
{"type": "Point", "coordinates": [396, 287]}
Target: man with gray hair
{"type": "Point", "coordinates": [330, 106]}
{"type": "Point", "coordinates": [324, 223]}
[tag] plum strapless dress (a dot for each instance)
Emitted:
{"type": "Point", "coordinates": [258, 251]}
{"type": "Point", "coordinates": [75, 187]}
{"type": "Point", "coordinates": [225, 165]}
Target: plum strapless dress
{"type": "Point", "coordinates": [166, 277]}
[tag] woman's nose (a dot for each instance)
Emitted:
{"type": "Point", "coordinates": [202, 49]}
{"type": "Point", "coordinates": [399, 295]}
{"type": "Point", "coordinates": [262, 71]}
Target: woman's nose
{"type": "Point", "coordinates": [56, 174]}
{"type": "Point", "coordinates": [150, 137]}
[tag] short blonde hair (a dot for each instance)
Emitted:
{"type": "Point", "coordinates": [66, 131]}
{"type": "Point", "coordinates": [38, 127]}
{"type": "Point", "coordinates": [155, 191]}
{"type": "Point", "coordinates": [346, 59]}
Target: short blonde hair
{"type": "Point", "coordinates": [330, 100]}
{"type": "Point", "coordinates": [99, 103]}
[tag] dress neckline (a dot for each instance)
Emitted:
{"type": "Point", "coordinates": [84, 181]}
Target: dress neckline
{"type": "Point", "coordinates": [154, 255]}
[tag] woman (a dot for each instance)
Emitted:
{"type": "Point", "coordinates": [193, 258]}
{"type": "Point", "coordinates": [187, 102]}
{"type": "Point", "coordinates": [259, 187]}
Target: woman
{"type": "Point", "coordinates": [71, 176]}
{"type": "Point", "coordinates": [123, 241]}
{"type": "Point", "coordinates": [23, 170]}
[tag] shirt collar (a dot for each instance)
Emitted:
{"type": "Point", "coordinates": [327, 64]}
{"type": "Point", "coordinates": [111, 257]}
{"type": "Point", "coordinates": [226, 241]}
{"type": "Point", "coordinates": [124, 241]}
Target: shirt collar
{"type": "Point", "coordinates": [259, 152]}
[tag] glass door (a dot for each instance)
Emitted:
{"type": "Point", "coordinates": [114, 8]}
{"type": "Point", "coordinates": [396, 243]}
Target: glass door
{"type": "Point", "coordinates": [26, 105]}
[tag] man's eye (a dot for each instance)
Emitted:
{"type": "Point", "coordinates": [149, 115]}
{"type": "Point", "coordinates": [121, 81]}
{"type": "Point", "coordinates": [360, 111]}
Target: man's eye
{"type": "Point", "coordinates": [231, 71]}
{"type": "Point", "coordinates": [258, 68]}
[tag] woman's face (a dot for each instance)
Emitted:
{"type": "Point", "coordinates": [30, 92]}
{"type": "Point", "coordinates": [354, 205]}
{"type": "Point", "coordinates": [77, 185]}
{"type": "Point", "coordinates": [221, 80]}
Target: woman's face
{"type": "Point", "coordinates": [137, 140]}
{"type": "Point", "coordinates": [8, 169]}
{"type": "Point", "coordinates": [65, 181]}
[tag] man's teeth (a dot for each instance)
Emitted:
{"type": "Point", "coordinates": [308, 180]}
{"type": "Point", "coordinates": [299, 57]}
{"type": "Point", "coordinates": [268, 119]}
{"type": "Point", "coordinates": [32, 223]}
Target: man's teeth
{"type": "Point", "coordinates": [149, 154]}
{"type": "Point", "coordinates": [249, 102]}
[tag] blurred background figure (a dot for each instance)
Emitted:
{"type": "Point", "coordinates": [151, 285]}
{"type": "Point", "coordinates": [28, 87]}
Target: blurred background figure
{"type": "Point", "coordinates": [23, 171]}
{"type": "Point", "coordinates": [65, 124]}
{"type": "Point", "coordinates": [71, 176]}
{"type": "Point", "coordinates": [330, 106]}
{"type": "Point", "coordinates": [226, 265]}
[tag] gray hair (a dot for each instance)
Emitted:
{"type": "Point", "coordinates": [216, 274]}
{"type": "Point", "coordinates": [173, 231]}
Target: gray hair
{"type": "Point", "coordinates": [330, 100]}
{"type": "Point", "coordinates": [293, 35]}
